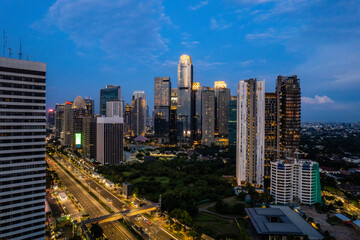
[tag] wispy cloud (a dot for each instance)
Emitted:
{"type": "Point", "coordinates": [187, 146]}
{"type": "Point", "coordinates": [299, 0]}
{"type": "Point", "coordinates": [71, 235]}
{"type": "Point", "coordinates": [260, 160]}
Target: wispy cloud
{"type": "Point", "coordinates": [120, 28]}
{"type": "Point", "coordinates": [316, 100]}
{"type": "Point", "coordinates": [199, 5]}
{"type": "Point", "coordinates": [219, 25]}
{"type": "Point", "coordinates": [202, 63]}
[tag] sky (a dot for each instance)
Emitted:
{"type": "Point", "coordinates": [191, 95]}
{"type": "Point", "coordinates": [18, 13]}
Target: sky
{"type": "Point", "coordinates": [88, 44]}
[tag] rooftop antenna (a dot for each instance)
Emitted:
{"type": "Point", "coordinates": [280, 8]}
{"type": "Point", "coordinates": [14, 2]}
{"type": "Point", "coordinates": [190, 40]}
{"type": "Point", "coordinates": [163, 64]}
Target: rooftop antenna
{"type": "Point", "coordinates": [20, 53]}
{"type": "Point", "coordinates": [10, 53]}
{"type": "Point", "coordinates": [27, 57]}
{"type": "Point", "coordinates": [4, 42]}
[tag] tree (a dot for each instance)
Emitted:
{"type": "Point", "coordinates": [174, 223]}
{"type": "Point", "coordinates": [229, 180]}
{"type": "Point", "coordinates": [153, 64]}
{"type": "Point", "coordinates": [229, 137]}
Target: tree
{"type": "Point", "coordinates": [96, 230]}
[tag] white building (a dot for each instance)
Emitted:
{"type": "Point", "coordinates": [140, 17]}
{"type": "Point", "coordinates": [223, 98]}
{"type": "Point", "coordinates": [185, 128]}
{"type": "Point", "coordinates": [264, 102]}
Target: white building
{"type": "Point", "coordinates": [250, 132]}
{"type": "Point", "coordinates": [115, 108]}
{"type": "Point", "coordinates": [22, 149]}
{"type": "Point", "coordinates": [295, 179]}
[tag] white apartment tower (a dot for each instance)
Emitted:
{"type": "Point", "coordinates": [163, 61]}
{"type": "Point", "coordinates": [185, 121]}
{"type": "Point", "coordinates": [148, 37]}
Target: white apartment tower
{"type": "Point", "coordinates": [22, 149]}
{"type": "Point", "coordinates": [115, 108]}
{"type": "Point", "coordinates": [250, 132]}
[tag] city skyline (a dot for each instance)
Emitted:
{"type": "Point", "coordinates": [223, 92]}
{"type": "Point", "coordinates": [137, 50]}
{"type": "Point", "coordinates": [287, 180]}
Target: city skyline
{"type": "Point", "coordinates": [227, 40]}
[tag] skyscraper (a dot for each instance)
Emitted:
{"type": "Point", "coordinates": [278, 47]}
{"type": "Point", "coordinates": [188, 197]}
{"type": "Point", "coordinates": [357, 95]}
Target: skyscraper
{"type": "Point", "coordinates": [115, 108]}
{"type": "Point", "coordinates": [89, 136]}
{"type": "Point", "coordinates": [250, 132]}
{"type": "Point", "coordinates": [232, 119]}
{"type": "Point", "coordinates": [110, 140]}
{"type": "Point", "coordinates": [59, 119]}
{"type": "Point", "coordinates": [173, 116]}
{"type": "Point", "coordinates": [184, 102]}
{"type": "Point", "coordinates": [222, 98]}
{"type": "Point", "coordinates": [197, 120]}
{"type": "Point", "coordinates": [65, 135]}
{"type": "Point", "coordinates": [127, 125]}
{"type": "Point", "coordinates": [79, 110]}
{"type": "Point", "coordinates": [138, 113]}
{"type": "Point", "coordinates": [208, 116]}
{"type": "Point", "coordinates": [288, 114]}
{"type": "Point", "coordinates": [111, 92]}
{"type": "Point", "coordinates": [50, 120]}
{"type": "Point", "coordinates": [162, 96]}
{"type": "Point", "coordinates": [22, 149]}
{"type": "Point", "coordinates": [270, 134]}
{"type": "Point", "coordinates": [90, 105]}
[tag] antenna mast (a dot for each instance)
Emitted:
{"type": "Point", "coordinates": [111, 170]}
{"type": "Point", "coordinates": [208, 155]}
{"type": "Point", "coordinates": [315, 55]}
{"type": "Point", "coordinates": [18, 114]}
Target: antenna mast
{"type": "Point", "coordinates": [20, 53]}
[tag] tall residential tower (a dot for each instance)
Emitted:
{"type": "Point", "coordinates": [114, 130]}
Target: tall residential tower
{"type": "Point", "coordinates": [162, 96]}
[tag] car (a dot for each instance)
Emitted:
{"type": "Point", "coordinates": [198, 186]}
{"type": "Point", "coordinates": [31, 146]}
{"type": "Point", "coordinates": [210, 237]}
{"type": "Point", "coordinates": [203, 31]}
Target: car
{"type": "Point", "coordinates": [149, 223]}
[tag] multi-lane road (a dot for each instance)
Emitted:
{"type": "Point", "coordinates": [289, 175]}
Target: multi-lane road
{"type": "Point", "coordinates": [113, 230]}
{"type": "Point", "coordinates": [153, 230]}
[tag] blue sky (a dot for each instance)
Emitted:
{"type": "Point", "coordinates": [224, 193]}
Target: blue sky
{"type": "Point", "coordinates": [90, 43]}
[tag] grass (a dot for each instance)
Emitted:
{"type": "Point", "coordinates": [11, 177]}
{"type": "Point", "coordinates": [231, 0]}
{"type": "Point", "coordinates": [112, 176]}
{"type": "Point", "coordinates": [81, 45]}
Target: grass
{"type": "Point", "coordinates": [216, 227]}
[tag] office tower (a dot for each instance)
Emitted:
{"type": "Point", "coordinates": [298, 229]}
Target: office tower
{"type": "Point", "coordinates": [295, 180]}
{"type": "Point", "coordinates": [270, 134]}
{"type": "Point", "coordinates": [22, 149]}
{"type": "Point", "coordinates": [184, 101]}
{"type": "Point", "coordinates": [173, 116]}
{"type": "Point", "coordinates": [90, 105]}
{"type": "Point", "coordinates": [50, 120]}
{"type": "Point", "coordinates": [222, 98]}
{"type": "Point", "coordinates": [89, 136]}
{"type": "Point", "coordinates": [109, 93]}
{"type": "Point", "coordinates": [250, 132]}
{"type": "Point", "coordinates": [59, 119]}
{"type": "Point", "coordinates": [162, 94]}
{"type": "Point", "coordinates": [127, 127]}
{"type": "Point", "coordinates": [138, 113]}
{"type": "Point", "coordinates": [79, 110]}
{"type": "Point", "coordinates": [232, 119]}
{"type": "Point", "coordinates": [288, 114]}
{"type": "Point", "coordinates": [197, 121]}
{"type": "Point", "coordinates": [65, 135]}
{"type": "Point", "coordinates": [208, 116]}
{"type": "Point", "coordinates": [115, 108]}
{"type": "Point", "coordinates": [109, 140]}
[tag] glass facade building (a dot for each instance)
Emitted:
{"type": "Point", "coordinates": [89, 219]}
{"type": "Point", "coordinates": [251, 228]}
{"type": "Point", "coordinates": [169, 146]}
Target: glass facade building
{"type": "Point", "coordinates": [222, 98]}
{"type": "Point", "coordinates": [162, 101]}
{"type": "Point", "coordinates": [197, 119]}
{"type": "Point", "coordinates": [111, 92]}
{"type": "Point", "coordinates": [232, 119]}
{"type": "Point", "coordinates": [138, 113]}
{"type": "Point", "coordinates": [208, 116]}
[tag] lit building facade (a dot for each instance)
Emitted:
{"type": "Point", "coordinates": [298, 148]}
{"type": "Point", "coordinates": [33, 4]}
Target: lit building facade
{"type": "Point", "coordinates": [59, 119]}
{"type": "Point", "coordinates": [197, 119]}
{"type": "Point", "coordinates": [109, 93]}
{"type": "Point", "coordinates": [50, 120]}
{"type": "Point", "coordinates": [162, 101]}
{"type": "Point", "coordinates": [22, 149]}
{"type": "Point", "coordinates": [115, 108]}
{"type": "Point", "coordinates": [288, 95]}
{"type": "Point", "coordinates": [208, 116]}
{"type": "Point", "coordinates": [173, 116]}
{"type": "Point", "coordinates": [90, 105]}
{"type": "Point", "coordinates": [109, 140]}
{"type": "Point", "coordinates": [232, 119]}
{"type": "Point", "coordinates": [184, 99]}
{"type": "Point", "coordinates": [295, 180]}
{"type": "Point", "coordinates": [250, 132]}
{"type": "Point", "coordinates": [89, 136]}
{"type": "Point", "coordinates": [138, 113]}
{"type": "Point", "coordinates": [222, 98]}
{"type": "Point", "coordinates": [127, 126]}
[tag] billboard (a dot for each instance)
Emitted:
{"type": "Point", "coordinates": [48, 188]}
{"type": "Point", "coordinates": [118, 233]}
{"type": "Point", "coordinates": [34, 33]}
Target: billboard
{"type": "Point", "coordinates": [78, 139]}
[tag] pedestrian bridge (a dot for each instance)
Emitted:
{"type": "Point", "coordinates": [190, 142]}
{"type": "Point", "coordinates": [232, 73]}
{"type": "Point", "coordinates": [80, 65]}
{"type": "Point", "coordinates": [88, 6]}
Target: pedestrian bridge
{"type": "Point", "coordinates": [119, 215]}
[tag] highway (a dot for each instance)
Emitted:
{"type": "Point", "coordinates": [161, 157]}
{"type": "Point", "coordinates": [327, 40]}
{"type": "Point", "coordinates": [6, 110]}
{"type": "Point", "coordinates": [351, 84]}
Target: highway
{"type": "Point", "coordinates": [153, 230]}
{"type": "Point", "coordinates": [113, 230]}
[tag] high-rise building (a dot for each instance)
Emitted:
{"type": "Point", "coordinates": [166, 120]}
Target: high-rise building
{"type": "Point", "coordinates": [109, 93]}
{"type": "Point", "coordinates": [222, 98]}
{"type": "Point", "coordinates": [184, 101]}
{"type": "Point", "coordinates": [59, 119]}
{"type": "Point", "coordinates": [115, 108]}
{"type": "Point", "coordinates": [250, 132]}
{"type": "Point", "coordinates": [127, 127]}
{"type": "Point", "coordinates": [65, 135]}
{"type": "Point", "coordinates": [288, 114]}
{"type": "Point", "coordinates": [79, 110]}
{"type": "Point", "coordinates": [295, 180]}
{"type": "Point", "coordinates": [208, 116]}
{"type": "Point", "coordinates": [50, 120]}
{"type": "Point", "coordinates": [110, 140]}
{"type": "Point", "coordinates": [89, 136]}
{"type": "Point", "coordinates": [138, 113]}
{"type": "Point", "coordinates": [161, 113]}
{"type": "Point", "coordinates": [90, 105]}
{"type": "Point", "coordinates": [22, 149]}
{"type": "Point", "coordinates": [232, 119]}
{"type": "Point", "coordinates": [173, 116]}
{"type": "Point", "coordinates": [197, 120]}
{"type": "Point", "coordinates": [270, 134]}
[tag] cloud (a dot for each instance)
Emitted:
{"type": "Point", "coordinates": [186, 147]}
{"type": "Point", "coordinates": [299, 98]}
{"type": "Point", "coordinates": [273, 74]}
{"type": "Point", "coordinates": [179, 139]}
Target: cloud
{"type": "Point", "coordinates": [254, 36]}
{"type": "Point", "coordinates": [126, 28]}
{"type": "Point", "coordinates": [170, 63]}
{"type": "Point", "coordinates": [316, 100]}
{"type": "Point", "coordinates": [200, 5]}
{"type": "Point", "coordinates": [202, 63]}
{"type": "Point", "coordinates": [219, 25]}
